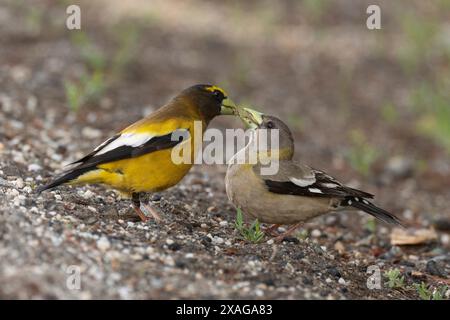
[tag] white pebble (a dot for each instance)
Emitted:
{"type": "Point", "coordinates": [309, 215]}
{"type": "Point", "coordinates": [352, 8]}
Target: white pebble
{"type": "Point", "coordinates": [169, 241]}
{"type": "Point", "coordinates": [445, 239]}
{"type": "Point", "coordinates": [18, 183]}
{"type": "Point", "coordinates": [223, 223]}
{"type": "Point", "coordinates": [34, 167]}
{"type": "Point", "coordinates": [217, 240]}
{"type": "Point", "coordinates": [270, 241]}
{"type": "Point", "coordinates": [27, 189]}
{"type": "Point", "coordinates": [88, 194]}
{"type": "Point", "coordinates": [316, 233]}
{"type": "Point", "coordinates": [13, 192]}
{"type": "Point", "coordinates": [342, 281]}
{"type": "Point", "coordinates": [91, 133]}
{"type": "Point", "coordinates": [103, 244]}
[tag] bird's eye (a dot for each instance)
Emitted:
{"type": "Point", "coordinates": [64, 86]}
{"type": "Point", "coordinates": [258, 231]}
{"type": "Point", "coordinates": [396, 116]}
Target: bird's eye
{"type": "Point", "coordinates": [270, 125]}
{"type": "Point", "coordinates": [218, 95]}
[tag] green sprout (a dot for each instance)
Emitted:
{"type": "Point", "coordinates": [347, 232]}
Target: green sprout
{"type": "Point", "coordinates": [252, 233]}
{"type": "Point", "coordinates": [89, 88]}
{"type": "Point", "coordinates": [362, 155]}
{"type": "Point", "coordinates": [371, 225]}
{"type": "Point", "coordinates": [101, 71]}
{"type": "Point", "coordinates": [389, 113]}
{"type": "Point", "coordinates": [434, 108]}
{"type": "Point", "coordinates": [395, 280]}
{"type": "Point", "coordinates": [425, 292]}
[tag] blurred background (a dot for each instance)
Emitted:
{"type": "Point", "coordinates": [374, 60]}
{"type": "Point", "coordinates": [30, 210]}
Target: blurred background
{"type": "Point", "coordinates": [371, 107]}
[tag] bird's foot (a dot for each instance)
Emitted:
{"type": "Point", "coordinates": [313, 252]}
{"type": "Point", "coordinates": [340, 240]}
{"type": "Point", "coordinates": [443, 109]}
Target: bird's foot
{"type": "Point", "coordinates": [141, 214]}
{"type": "Point", "coordinates": [292, 228]}
{"type": "Point", "coordinates": [153, 211]}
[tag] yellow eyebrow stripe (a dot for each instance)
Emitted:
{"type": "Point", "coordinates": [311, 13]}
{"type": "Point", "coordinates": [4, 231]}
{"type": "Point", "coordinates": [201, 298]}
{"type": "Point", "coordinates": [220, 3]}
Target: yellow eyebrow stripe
{"type": "Point", "coordinates": [216, 88]}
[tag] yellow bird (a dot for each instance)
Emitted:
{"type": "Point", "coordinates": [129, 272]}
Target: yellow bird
{"type": "Point", "coordinates": [139, 158]}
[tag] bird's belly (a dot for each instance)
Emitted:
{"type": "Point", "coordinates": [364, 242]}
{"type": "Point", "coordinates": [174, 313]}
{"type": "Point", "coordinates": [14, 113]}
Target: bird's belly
{"type": "Point", "coordinates": [148, 173]}
{"type": "Point", "coordinates": [249, 193]}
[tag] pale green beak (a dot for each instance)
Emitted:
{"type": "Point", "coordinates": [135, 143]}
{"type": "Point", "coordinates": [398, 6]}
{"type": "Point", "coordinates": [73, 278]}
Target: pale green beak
{"type": "Point", "coordinates": [250, 117]}
{"type": "Point", "coordinates": [228, 107]}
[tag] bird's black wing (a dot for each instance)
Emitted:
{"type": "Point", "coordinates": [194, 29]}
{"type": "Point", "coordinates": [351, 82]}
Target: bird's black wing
{"type": "Point", "coordinates": [314, 183]}
{"type": "Point", "coordinates": [123, 146]}
{"type": "Point", "coordinates": [122, 152]}
{"type": "Point", "coordinates": [97, 149]}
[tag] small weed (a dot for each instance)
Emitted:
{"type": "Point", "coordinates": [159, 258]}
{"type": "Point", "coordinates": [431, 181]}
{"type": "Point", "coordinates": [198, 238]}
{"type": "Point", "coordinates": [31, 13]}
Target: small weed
{"type": "Point", "coordinates": [394, 279]}
{"type": "Point", "coordinates": [425, 292]}
{"type": "Point", "coordinates": [434, 108]}
{"type": "Point", "coordinates": [102, 72]}
{"type": "Point", "coordinates": [316, 8]}
{"type": "Point", "coordinates": [252, 233]}
{"type": "Point", "coordinates": [362, 155]}
{"type": "Point", "coordinates": [127, 43]}
{"type": "Point", "coordinates": [303, 234]}
{"type": "Point", "coordinates": [389, 113]}
{"type": "Point", "coordinates": [89, 88]}
{"type": "Point", "coordinates": [420, 36]}
{"type": "Point", "coordinates": [371, 225]}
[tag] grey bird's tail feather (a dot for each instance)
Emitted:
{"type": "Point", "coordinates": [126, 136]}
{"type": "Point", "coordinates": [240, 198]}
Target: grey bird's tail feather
{"type": "Point", "coordinates": [373, 210]}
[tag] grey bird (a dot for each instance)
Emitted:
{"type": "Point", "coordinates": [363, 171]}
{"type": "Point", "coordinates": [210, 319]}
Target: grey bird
{"type": "Point", "coordinates": [295, 193]}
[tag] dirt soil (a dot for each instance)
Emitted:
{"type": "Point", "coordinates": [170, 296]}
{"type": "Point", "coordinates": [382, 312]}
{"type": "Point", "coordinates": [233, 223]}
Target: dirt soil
{"type": "Point", "coordinates": [326, 74]}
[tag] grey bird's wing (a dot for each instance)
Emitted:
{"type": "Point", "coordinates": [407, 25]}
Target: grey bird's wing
{"type": "Point", "coordinates": [297, 179]}
{"type": "Point", "coordinates": [300, 180]}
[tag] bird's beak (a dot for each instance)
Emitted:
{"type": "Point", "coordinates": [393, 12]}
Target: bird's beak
{"type": "Point", "coordinates": [251, 118]}
{"type": "Point", "coordinates": [228, 107]}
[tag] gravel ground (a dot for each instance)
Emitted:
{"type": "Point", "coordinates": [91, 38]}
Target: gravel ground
{"type": "Point", "coordinates": [196, 251]}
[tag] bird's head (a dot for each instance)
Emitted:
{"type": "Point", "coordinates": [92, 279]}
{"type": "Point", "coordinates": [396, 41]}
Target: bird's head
{"type": "Point", "coordinates": [262, 122]}
{"type": "Point", "coordinates": [209, 100]}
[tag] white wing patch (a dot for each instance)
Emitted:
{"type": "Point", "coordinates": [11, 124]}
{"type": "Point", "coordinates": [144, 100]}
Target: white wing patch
{"type": "Point", "coordinates": [303, 182]}
{"type": "Point", "coordinates": [314, 190]}
{"type": "Point", "coordinates": [104, 143]}
{"type": "Point", "coordinates": [329, 185]}
{"type": "Point", "coordinates": [126, 139]}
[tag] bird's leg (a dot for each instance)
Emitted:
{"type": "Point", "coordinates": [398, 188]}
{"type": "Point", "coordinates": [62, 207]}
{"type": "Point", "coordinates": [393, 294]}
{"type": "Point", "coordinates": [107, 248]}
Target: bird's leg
{"type": "Point", "coordinates": [271, 231]}
{"type": "Point", "coordinates": [136, 204]}
{"type": "Point", "coordinates": [153, 211]}
{"type": "Point", "coordinates": [288, 232]}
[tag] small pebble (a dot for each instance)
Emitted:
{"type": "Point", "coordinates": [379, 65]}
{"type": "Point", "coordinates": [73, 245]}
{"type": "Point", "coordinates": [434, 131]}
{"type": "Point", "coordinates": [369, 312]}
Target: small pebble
{"type": "Point", "coordinates": [217, 240]}
{"type": "Point", "coordinates": [34, 167]}
{"type": "Point", "coordinates": [316, 233]}
{"type": "Point", "coordinates": [88, 194]}
{"type": "Point", "coordinates": [103, 244]}
{"type": "Point", "coordinates": [223, 223]}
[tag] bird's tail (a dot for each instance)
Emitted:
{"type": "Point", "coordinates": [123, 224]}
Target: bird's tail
{"type": "Point", "coordinates": [66, 177]}
{"type": "Point", "coordinates": [373, 210]}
